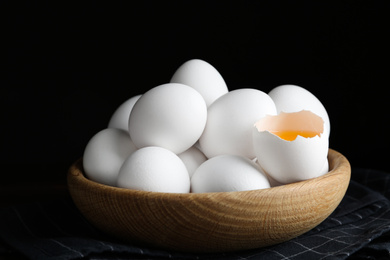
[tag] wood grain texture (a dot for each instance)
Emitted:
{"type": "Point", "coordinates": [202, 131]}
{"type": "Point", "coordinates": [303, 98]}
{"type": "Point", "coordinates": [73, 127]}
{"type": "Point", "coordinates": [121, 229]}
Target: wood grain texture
{"type": "Point", "coordinates": [211, 222]}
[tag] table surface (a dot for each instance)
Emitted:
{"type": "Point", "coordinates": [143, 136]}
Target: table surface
{"type": "Point", "coordinates": [13, 194]}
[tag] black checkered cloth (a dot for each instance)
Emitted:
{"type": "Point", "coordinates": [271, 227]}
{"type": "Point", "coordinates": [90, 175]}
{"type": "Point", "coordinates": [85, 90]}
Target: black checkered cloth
{"type": "Point", "coordinates": [358, 229]}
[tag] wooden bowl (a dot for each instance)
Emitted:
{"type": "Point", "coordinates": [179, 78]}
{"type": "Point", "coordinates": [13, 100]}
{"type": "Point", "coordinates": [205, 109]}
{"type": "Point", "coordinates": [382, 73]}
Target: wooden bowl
{"type": "Point", "coordinates": [211, 222]}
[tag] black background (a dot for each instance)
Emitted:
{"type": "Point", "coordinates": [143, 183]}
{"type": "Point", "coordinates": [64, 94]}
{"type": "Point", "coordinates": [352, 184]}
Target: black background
{"type": "Point", "coordinates": [68, 66]}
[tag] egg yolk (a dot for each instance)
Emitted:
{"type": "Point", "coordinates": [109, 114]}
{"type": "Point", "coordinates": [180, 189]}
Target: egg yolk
{"type": "Point", "coordinates": [292, 135]}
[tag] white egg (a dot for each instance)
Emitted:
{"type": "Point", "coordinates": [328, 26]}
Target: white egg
{"type": "Point", "coordinates": [230, 120]}
{"type": "Point", "coordinates": [105, 153]}
{"type": "Point", "coordinates": [192, 159]}
{"type": "Point", "coordinates": [291, 147]}
{"type": "Point", "coordinates": [172, 116]}
{"type": "Point", "coordinates": [203, 77]}
{"type": "Point", "coordinates": [325, 168]}
{"type": "Point", "coordinates": [120, 118]}
{"type": "Point", "coordinates": [154, 169]}
{"type": "Point", "coordinates": [272, 182]}
{"type": "Point", "coordinates": [292, 98]}
{"type": "Point", "coordinates": [228, 173]}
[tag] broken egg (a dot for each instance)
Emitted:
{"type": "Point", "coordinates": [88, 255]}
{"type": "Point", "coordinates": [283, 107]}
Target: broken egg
{"type": "Point", "coordinates": [292, 98]}
{"type": "Point", "coordinates": [291, 147]}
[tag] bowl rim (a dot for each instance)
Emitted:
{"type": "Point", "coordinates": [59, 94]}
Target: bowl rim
{"type": "Point", "coordinates": [251, 213]}
{"type": "Point", "coordinates": [337, 165]}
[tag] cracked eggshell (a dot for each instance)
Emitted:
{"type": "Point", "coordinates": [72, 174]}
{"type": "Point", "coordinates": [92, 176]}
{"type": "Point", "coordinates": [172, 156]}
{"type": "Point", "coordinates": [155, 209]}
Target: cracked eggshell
{"type": "Point", "coordinates": [203, 77]}
{"type": "Point", "coordinates": [171, 116]}
{"type": "Point", "coordinates": [105, 153]}
{"type": "Point", "coordinates": [120, 117]}
{"type": "Point", "coordinates": [192, 159]}
{"type": "Point", "coordinates": [154, 169]}
{"type": "Point", "coordinates": [230, 120]}
{"type": "Point", "coordinates": [292, 98]}
{"type": "Point", "coordinates": [299, 159]}
{"type": "Point", "coordinates": [228, 173]}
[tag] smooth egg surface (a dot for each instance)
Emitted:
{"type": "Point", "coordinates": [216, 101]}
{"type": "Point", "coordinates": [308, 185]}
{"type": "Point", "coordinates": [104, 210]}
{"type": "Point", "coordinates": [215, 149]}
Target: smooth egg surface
{"type": "Point", "coordinates": [154, 169]}
{"type": "Point", "coordinates": [203, 77]}
{"type": "Point", "coordinates": [105, 153]}
{"type": "Point", "coordinates": [226, 173]}
{"type": "Point", "coordinates": [120, 117]}
{"type": "Point", "coordinates": [230, 120]}
{"type": "Point", "coordinates": [192, 159]}
{"type": "Point", "coordinates": [172, 116]}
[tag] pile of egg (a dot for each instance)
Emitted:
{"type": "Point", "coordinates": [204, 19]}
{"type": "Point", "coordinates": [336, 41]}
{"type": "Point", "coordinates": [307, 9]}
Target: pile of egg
{"type": "Point", "coordinates": [194, 135]}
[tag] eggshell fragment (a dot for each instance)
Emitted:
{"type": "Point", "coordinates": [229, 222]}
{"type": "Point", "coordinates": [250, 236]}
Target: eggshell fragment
{"type": "Point", "coordinates": [296, 160]}
{"type": "Point", "coordinates": [120, 118]}
{"type": "Point", "coordinates": [154, 169]}
{"type": "Point", "coordinates": [203, 77]}
{"type": "Point", "coordinates": [192, 159]}
{"type": "Point", "coordinates": [228, 173]}
{"type": "Point", "coordinates": [171, 116]}
{"type": "Point", "coordinates": [292, 98]}
{"type": "Point", "coordinates": [105, 153]}
{"type": "Point", "coordinates": [230, 120]}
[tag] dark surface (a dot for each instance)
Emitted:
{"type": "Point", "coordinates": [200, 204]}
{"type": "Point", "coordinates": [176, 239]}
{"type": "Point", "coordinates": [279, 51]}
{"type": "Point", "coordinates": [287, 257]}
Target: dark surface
{"type": "Point", "coordinates": [69, 66]}
{"type": "Point", "coordinates": [54, 229]}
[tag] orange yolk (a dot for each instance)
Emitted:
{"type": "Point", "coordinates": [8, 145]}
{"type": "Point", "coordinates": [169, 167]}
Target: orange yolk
{"type": "Point", "coordinates": [292, 135]}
